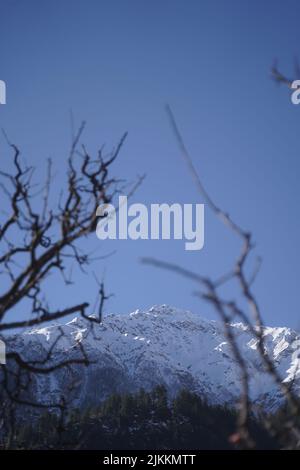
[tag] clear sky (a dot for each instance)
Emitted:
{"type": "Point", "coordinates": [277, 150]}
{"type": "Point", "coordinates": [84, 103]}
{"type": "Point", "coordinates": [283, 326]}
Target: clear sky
{"type": "Point", "coordinates": [116, 63]}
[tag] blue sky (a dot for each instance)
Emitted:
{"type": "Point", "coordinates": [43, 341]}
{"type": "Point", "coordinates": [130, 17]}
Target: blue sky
{"type": "Point", "coordinates": [115, 64]}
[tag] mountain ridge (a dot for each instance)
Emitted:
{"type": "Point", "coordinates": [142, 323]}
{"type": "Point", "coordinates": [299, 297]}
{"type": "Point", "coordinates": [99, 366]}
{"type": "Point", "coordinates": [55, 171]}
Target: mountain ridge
{"type": "Point", "coordinates": [162, 345]}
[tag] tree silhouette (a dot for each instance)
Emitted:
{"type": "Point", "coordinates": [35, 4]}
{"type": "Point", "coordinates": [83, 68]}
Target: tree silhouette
{"type": "Point", "coordinates": [39, 237]}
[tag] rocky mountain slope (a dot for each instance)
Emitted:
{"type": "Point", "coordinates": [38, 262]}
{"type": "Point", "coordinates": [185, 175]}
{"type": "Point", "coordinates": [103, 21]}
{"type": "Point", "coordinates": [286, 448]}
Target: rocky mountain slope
{"type": "Point", "coordinates": [163, 345]}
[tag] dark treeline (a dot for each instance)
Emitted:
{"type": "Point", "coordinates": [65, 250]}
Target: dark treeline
{"type": "Point", "coordinates": [145, 420]}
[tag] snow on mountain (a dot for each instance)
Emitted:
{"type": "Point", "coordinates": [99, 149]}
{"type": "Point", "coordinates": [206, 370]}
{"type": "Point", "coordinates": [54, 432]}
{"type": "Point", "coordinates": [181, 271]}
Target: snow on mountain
{"type": "Point", "coordinates": [162, 345]}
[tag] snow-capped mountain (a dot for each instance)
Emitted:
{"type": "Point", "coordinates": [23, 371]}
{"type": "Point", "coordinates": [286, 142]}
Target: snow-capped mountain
{"type": "Point", "coordinates": [163, 345]}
